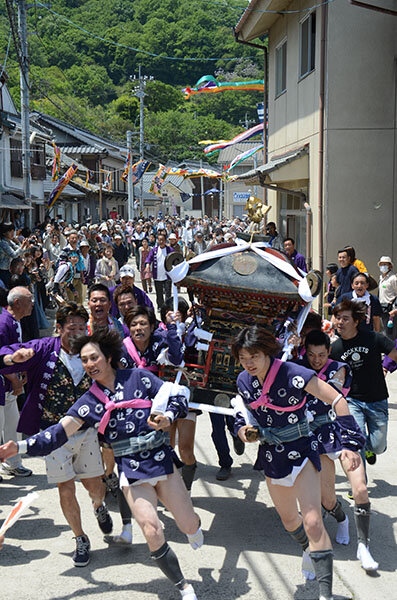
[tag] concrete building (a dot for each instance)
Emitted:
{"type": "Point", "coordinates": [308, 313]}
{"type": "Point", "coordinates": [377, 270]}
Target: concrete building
{"type": "Point", "coordinates": [332, 124]}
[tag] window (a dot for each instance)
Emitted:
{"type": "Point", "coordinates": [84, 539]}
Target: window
{"type": "Point", "coordinates": [281, 68]}
{"type": "Point", "coordinates": [37, 166]}
{"type": "Point", "coordinates": [307, 44]}
{"type": "Point", "coordinates": [293, 219]}
{"type": "Point", "coordinates": [16, 158]}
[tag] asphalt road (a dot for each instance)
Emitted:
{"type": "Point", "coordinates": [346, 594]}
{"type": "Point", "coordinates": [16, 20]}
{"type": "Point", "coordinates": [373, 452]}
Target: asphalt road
{"type": "Point", "coordinates": [246, 553]}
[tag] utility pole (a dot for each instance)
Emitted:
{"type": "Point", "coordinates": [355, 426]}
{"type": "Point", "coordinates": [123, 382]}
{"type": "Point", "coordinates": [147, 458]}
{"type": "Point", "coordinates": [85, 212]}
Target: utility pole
{"type": "Point", "coordinates": [100, 189]}
{"type": "Point", "coordinates": [220, 198]}
{"type": "Point", "coordinates": [141, 97]}
{"type": "Point", "coordinates": [202, 191]}
{"type": "Point", "coordinates": [140, 93]}
{"type": "Point", "coordinates": [131, 210]}
{"type": "Point", "coordinates": [24, 83]}
{"type": "Point", "coordinates": [246, 122]}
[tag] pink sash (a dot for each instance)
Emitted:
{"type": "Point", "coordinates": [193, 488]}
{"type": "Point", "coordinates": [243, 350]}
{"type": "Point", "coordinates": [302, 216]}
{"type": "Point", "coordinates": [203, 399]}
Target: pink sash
{"type": "Point", "coordinates": [264, 399]}
{"type": "Point", "coordinates": [320, 374]}
{"type": "Point", "coordinates": [109, 405]}
{"type": "Point", "coordinates": [138, 360]}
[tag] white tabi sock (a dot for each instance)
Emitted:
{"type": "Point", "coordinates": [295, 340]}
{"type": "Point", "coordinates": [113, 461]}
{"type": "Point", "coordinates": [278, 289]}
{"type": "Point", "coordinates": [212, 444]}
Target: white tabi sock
{"type": "Point", "coordinates": [196, 540]}
{"type": "Point", "coordinates": [124, 539]}
{"type": "Point", "coordinates": [188, 593]}
{"type": "Point", "coordinates": [342, 533]}
{"type": "Point", "coordinates": [307, 567]}
{"type": "Point", "coordinates": [367, 562]}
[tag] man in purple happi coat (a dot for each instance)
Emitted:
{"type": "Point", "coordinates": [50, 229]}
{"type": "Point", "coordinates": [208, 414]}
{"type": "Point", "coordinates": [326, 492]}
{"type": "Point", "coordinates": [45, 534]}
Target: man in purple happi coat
{"type": "Point", "coordinates": [298, 259]}
{"type": "Point", "coordinates": [55, 380]}
{"type": "Point", "coordinates": [19, 305]}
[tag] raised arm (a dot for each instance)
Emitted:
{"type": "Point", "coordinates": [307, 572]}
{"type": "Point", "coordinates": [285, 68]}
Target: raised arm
{"type": "Point", "coordinates": [45, 442]}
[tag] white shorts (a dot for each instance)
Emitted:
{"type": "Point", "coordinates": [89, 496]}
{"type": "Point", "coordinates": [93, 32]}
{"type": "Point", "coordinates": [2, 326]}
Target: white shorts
{"type": "Point", "coordinates": [289, 480]}
{"type": "Point", "coordinates": [152, 481]}
{"type": "Point", "coordinates": [334, 455]}
{"type": "Point", "coordinates": [79, 458]}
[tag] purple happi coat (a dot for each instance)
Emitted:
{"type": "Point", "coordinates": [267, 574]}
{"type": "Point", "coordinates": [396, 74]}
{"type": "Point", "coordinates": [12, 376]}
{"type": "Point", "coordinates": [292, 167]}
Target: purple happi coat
{"type": "Point", "coordinates": [343, 432]}
{"type": "Point", "coordinates": [131, 422]}
{"type": "Point", "coordinates": [287, 390]}
{"type": "Point", "coordinates": [39, 370]}
{"type": "Point", "coordinates": [9, 334]}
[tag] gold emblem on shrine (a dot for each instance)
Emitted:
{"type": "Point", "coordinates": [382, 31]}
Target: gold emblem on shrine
{"type": "Point", "coordinates": [244, 263]}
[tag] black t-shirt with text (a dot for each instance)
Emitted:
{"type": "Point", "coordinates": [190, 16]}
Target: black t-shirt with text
{"type": "Point", "coordinates": [363, 354]}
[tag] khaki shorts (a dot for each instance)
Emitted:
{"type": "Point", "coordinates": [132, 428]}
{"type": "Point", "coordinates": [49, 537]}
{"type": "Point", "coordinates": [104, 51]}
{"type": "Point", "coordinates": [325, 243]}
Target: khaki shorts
{"type": "Point", "coordinates": [79, 458]}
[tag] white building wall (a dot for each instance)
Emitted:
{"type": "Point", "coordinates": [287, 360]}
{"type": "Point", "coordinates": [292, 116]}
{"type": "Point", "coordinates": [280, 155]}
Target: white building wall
{"type": "Point", "coordinates": [360, 127]}
{"type": "Point", "coordinates": [361, 123]}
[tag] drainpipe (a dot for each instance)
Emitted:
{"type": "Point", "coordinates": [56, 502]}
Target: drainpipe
{"type": "Point", "coordinates": [265, 97]}
{"type": "Point", "coordinates": [321, 147]}
{"type": "Point", "coordinates": [308, 235]}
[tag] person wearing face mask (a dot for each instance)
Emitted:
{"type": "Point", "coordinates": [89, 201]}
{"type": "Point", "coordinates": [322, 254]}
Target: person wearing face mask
{"type": "Point", "coordinates": [387, 292]}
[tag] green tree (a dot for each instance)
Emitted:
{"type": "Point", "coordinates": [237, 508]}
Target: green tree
{"type": "Point", "coordinates": [175, 134]}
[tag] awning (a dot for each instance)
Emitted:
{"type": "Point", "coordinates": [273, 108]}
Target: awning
{"type": "Point", "coordinates": [12, 202]}
{"type": "Point", "coordinates": [277, 166]}
{"type": "Point", "coordinates": [258, 17]}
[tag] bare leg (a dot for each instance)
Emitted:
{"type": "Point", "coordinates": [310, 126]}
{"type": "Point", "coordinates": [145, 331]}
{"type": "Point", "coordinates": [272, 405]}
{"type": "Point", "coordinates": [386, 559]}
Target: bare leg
{"type": "Point", "coordinates": [285, 502]}
{"type": "Point", "coordinates": [70, 506]}
{"type": "Point", "coordinates": [358, 482]}
{"type": "Point", "coordinates": [186, 433]}
{"type": "Point", "coordinates": [308, 491]}
{"type": "Point", "coordinates": [173, 494]}
{"type": "Point", "coordinates": [108, 460]}
{"type": "Point", "coordinates": [327, 476]}
{"type": "Point", "coordinates": [330, 502]}
{"type": "Point", "coordinates": [96, 490]}
{"type": "Point", "coordinates": [142, 500]}
{"type": "Point", "coordinates": [172, 431]}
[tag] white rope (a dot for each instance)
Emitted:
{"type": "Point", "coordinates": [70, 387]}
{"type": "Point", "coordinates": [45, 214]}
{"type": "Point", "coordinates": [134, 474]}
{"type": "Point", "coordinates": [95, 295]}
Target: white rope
{"type": "Point", "coordinates": [179, 272]}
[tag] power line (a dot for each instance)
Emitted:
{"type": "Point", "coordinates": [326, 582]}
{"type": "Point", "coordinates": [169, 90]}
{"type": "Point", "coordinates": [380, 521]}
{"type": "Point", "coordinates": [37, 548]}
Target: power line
{"type": "Point", "coordinates": [16, 40]}
{"type": "Point", "coordinates": [272, 12]}
{"type": "Point", "coordinates": [146, 52]}
{"type": "Point", "coordinates": [6, 56]}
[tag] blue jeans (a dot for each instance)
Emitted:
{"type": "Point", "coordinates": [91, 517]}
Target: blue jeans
{"type": "Point", "coordinates": [372, 418]}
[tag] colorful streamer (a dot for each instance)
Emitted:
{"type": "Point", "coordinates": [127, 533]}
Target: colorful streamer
{"type": "Point", "coordinates": [241, 137]}
{"type": "Point", "coordinates": [21, 505]}
{"type": "Point", "coordinates": [187, 173]}
{"type": "Point", "coordinates": [184, 196]}
{"type": "Point", "coordinates": [138, 169]}
{"type": "Point", "coordinates": [57, 162]}
{"type": "Point", "coordinates": [108, 181]}
{"type": "Point", "coordinates": [88, 177]}
{"type": "Point", "coordinates": [243, 156]}
{"type": "Point", "coordinates": [209, 85]}
{"type": "Point", "coordinates": [158, 180]}
{"type": "Point", "coordinates": [124, 175]}
{"type": "Point", "coordinates": [62, 183]}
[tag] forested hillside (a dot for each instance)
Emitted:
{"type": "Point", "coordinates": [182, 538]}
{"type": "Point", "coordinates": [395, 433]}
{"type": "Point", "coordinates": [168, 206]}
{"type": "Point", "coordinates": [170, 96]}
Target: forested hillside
{"type": "Point", "coordinates": [83, 79]}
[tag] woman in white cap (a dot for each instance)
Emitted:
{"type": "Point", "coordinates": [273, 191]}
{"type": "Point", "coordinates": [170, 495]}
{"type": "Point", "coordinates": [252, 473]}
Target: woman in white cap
{"type": "Point", "coordinates": [388, 296]}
